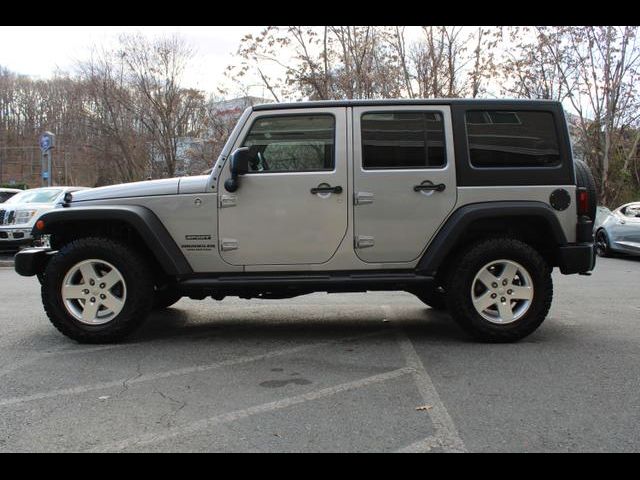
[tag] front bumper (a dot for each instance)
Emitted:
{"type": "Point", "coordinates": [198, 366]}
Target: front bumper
{"type": "Point", "coordinates": [31, 261]}
{"type": "Point", "coordinates": [577, 258]}
{"type": "Point", "coordinates": [14, 237]}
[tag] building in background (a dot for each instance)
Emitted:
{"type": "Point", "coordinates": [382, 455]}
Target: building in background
{"type": "Point", "coordinates": [230, 110]}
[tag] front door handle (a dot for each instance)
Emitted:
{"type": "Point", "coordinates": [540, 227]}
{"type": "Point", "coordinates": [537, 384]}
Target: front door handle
{"type": "Point", "coordinates": [326, 189]}
{"type": "Point", "coordinates": [439, 187]}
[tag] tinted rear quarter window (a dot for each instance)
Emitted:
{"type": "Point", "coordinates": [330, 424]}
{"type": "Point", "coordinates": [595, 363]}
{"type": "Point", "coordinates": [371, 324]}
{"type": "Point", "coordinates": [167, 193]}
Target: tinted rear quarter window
{"type": "Point", "coordinates": [512, 139]}
{"type": "Point", "coordinates": [392, 140]}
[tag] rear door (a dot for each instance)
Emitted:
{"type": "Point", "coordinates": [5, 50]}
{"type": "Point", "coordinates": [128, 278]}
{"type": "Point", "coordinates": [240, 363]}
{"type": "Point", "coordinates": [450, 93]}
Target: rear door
{"type": "Point", "coordinates": [404, 179]}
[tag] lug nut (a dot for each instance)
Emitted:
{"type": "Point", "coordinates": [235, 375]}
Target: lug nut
{"type": "Point", "coordinates": [504, 282]}
{"type": "Point", "coordinates": [92, 299]}
{"type": "Point", "coordinates": [502, 299]}
{"type": "Point", "coordinates": [494, 285]}
{"type": "Point", "coordinates": [92, 282]}
{"type": "Point", "coordinates": [509, 292]}
{"type": "Point", "coordinates": [102, 285]}
{"type": "Point", "coordinates": [103, 296]}
{"type": "Point", "coordinates": [493, 295]}
{"type": "Point", "coordinates": [85, 291]}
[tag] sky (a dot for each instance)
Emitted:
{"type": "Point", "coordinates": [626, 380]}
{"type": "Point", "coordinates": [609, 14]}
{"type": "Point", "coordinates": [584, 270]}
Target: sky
{"type": "Point", "coordinates": [39, 51]}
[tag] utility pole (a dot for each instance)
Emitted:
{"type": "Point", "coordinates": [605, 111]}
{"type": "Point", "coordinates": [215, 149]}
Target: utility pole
{"type": "Point", "coordinates": [47, 143]}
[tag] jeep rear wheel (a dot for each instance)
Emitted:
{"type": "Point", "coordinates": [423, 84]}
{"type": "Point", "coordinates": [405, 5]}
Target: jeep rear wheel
{"type": "Point", "coordinates": [96, 290]}
{"type": "Point", "coordinates": [499, 290]}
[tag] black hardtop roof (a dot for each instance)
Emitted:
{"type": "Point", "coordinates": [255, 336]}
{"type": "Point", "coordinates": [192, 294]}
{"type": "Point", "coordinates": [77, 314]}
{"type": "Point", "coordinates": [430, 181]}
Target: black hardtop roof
{"type": "Point", "coordinates": [495, 103]}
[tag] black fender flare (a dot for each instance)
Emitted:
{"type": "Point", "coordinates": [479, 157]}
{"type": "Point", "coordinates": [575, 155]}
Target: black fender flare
{"type": "Point", "coordinates": [455, 226]}
{"type": "Point", "coordinates": [141, 219]}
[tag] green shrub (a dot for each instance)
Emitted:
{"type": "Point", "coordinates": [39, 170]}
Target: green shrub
{"type": "Point", "coordinates": [21, 186]}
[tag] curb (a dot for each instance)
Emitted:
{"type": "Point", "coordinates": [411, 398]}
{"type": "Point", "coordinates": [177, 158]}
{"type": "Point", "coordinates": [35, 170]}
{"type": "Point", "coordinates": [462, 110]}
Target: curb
{"type": "Point", "coordinates": [6, 261]}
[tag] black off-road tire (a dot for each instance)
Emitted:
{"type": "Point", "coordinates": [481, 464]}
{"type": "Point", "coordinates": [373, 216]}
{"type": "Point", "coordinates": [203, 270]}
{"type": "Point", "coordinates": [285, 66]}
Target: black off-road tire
{"type": "Point", "coordinates": [164, 298]}
{"type": "Point", "coordinates": [136, 274]}
{"type": "Point", "coordinates": [463, 272]}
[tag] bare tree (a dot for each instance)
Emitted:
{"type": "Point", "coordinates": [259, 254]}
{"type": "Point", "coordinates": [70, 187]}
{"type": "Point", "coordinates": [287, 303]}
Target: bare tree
{"type": "Point", "coordinates": [599, 68]}
{"type": "Point", "coordinates": [454, 61]}
{"type": "Point", "coordinates": [122, 143]}
{"type": "Point", "coordinates": [322, 62]}
{"type": "Point", "coordinates": [154, 70]}
{"type": "Point", "coordinates": [538, 64]}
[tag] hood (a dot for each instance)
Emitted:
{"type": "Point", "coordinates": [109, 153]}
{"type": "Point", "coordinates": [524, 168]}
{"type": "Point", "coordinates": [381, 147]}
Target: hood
{"type": "Point", "coordinates": [165, 186]}
{"type": "Point", "coordinates": [26, 206]}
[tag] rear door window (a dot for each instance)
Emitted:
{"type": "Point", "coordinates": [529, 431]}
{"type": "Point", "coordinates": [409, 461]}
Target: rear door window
{"type": "Point", "coordinates": [394, 140]}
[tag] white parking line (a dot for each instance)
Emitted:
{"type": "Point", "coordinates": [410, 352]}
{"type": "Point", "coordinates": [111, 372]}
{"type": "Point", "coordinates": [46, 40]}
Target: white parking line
{"type": "Point", "coordinates": [66, 350]}
{"type": "Point", "coordinates": [172, 373]}
{"type": "Point", "coordinates": [207, 423]}
{"type": "Point", "coordinates": [446, 435]}
{"type": "Point", "coordinates": [72, 349]}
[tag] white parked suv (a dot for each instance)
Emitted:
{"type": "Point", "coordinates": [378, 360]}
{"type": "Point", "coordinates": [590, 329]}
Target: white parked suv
{"type": "Point", "coordinates": [19, 214]}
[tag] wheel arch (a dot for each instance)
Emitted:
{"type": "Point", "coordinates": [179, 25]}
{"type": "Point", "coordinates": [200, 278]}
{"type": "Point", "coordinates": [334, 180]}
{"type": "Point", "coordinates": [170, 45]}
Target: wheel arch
{"type": "Point", "coordinates": [531, 221]}
{"type": "Point", "coordinates": [133, 223]}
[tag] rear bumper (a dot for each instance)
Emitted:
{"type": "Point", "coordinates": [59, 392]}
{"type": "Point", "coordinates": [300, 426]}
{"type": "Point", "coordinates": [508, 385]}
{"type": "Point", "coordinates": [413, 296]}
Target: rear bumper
{"type": "Point", "coordinates": [31, 261]}
{"type": "Point", "coordinates": [577, 258]}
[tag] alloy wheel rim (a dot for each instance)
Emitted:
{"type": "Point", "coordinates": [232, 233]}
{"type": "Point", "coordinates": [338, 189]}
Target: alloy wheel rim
{"type": "Point", "coordinates": [94, 292]}
{"type": "Point", "coordinates": [502, 291]}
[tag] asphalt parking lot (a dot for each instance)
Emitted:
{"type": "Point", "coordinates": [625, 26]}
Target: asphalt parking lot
{"type": "Point", "coordinates": [348, 372]}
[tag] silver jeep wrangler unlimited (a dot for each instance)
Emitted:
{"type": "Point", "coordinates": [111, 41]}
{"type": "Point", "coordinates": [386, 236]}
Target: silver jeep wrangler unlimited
{"type": "Point", "coordinates": [467, 204]}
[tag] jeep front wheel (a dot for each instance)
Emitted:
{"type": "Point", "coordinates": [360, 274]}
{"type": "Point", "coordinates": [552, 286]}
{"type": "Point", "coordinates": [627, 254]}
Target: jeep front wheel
{"type": "Point", "coordinates": [96, 290]}
{"type": "Point", "coordinates": [499, 290]}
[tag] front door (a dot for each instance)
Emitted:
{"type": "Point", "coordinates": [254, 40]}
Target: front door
{"type": "Point", "coordinates": [404, 179]}
{"type": "Point", "coordinates": [291, 207]}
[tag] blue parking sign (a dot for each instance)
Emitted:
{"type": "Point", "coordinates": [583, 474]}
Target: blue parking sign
{"type": "Point", "coordinates": [46, 141]}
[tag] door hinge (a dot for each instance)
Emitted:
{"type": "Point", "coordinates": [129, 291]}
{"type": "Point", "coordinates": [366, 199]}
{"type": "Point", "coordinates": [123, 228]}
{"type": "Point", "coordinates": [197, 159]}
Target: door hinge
{"type": "Point", "coordinates": [363, 198]}
{"type": "Point", "coordinates": [362, 241]}
{"type": "Point", "coordinates": [227, 244]}
{"type": "Point", "coordinates": [228, 201]}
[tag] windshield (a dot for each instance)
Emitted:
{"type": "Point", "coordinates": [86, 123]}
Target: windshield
{"type": "Point", "coordinates": [4, 195]}
{"type": "Point", "coordinates": [45, 195]}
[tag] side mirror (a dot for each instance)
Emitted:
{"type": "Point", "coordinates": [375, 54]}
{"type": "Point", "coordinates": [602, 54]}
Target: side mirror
{"type": "Point", "coordinates": [238, 165]}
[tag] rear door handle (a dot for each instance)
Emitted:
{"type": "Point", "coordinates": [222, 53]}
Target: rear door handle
{"type": "Point", "coordinates": [326, 189]}
{"type": "Point", "coordinates": [439, 187]}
